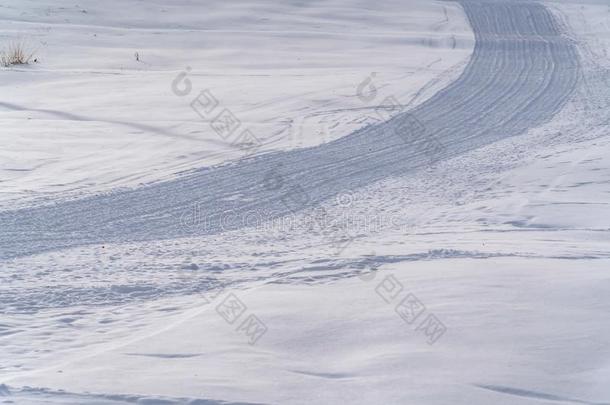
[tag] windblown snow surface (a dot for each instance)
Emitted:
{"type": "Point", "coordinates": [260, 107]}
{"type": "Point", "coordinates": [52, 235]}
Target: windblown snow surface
{"type": "Point", "coordinates": [419, 213]}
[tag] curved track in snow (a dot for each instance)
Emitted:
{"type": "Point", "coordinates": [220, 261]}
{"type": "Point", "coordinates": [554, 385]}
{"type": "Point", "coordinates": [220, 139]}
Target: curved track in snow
{"type": "Point", "coordinates": [521, 73]}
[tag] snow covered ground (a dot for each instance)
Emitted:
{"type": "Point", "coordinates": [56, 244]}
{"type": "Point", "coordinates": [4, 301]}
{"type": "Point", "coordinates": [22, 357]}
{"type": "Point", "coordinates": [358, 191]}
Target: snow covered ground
{"type": "Point", "coordinates": [90, 117]}
{"type": "Point", "coordinates": [480, 279]}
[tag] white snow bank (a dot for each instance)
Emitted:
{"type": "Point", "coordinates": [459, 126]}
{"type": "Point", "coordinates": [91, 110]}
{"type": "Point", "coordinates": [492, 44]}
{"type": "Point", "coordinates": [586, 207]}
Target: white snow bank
{"type": "Point", "coordinates": [508, 340]}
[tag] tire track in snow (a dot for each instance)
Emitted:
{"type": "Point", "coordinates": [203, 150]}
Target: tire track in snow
{"type": "Point", "coordinates": [521, 73]}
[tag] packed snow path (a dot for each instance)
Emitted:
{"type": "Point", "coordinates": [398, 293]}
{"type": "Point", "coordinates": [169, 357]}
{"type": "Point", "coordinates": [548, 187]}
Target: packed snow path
{"type": "Point", "coordinates": [523, 69]}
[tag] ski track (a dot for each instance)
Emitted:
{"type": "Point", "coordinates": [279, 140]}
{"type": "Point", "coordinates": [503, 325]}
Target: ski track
{"type": "Point", "coordinates": [522, 71]}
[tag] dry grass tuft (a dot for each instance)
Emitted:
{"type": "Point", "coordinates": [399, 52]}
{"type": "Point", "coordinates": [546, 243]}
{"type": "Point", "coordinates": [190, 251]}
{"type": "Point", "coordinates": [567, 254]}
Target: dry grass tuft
{"type": "Point", "coordinates": [16, 54]}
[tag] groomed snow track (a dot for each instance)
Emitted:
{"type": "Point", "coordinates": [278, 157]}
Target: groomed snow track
{"type": "Point", "coordinates": [522, 71]}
